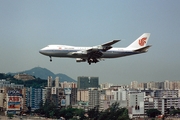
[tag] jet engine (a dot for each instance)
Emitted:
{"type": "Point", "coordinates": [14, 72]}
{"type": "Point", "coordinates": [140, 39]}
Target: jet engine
{"type": "Point", "coordinates": [103, 48]}
{"type": "Point", "coordinates": [80, 60]}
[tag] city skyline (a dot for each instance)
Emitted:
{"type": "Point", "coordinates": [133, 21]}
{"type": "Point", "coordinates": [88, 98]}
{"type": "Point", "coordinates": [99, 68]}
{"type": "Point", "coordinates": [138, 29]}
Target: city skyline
{"type": "Point", "coordinates": [18, 99]}
{"type": "Point", "coordinates": [28, 26]}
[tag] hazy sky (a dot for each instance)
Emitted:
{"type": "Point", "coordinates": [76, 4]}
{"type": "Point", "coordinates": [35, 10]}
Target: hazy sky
{"type": "Point", "coordinates": [27, 26]}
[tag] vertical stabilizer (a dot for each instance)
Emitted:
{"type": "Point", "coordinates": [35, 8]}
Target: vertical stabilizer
{"type": "Point", "coordinates": [140, 42]}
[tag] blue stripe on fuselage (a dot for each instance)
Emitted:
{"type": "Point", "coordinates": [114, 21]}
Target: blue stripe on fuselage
{"type": "Point", "coordinates": [107, 54]}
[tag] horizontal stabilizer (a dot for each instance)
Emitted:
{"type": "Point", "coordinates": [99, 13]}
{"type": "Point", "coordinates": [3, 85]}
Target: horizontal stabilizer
{"type": "Point", "coordinates": [144, 49]}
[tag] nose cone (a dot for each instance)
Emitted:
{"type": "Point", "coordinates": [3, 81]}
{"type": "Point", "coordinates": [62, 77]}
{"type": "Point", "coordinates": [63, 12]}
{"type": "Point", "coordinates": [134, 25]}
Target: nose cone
{"type": "Point", "coordinates": [42, 51]}
{"type": "Point", "coordinates": [45, 51]}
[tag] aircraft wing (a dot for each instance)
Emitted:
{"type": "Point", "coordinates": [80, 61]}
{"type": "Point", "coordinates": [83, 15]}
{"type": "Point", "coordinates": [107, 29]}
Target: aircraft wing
{"type": "Point", "coordinates": [96, 49]}
{"type": "Point", "coordinates": [95, 52]}
{"type": "Point", "coordinates": [104, 47]}
{"type": "Point", "coordinates": [110, 43]}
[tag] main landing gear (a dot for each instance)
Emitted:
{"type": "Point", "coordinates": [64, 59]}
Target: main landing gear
{"type": "Point", "coordinates": [89, 62]}
{"type": "Point", "coordinates": [92, 60]}
{"type": "Point", "coordinates": [50, 58]}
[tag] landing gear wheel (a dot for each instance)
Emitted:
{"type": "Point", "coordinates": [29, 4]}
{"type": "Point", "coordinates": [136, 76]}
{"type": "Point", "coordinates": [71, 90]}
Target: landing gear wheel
{"type": "Point", "coordinates": [89, 61]}
{"type": "Point", "coordinates": [50, 59]}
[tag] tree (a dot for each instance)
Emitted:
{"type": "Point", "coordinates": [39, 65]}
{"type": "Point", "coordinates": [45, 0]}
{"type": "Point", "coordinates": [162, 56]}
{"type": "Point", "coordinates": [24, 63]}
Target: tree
{"type": "Point", "coordinates": [124, 115]}
{"type": "Point", "coordinates": [80, 113]}
{"type": "Point", "coordinates": [93, 113]}
{"type": "Point", "coordinates": [114, 113]}
{"type": "Point", "coordinates": [103, 115]}
{"type": "Point", "coordinates": [51, 114]}
{"type": "Point", "coordinates": [153, 113]}
{"type": "Point", "coordinates": [29, 110]}
{"type": "Point", "coordinates": [48, 109]}
{"type": "Point", "coordinates": [172, 110]}
{"type": "Point", "coordinates": [69, 113]}
{"type": "Point", "coordinates": [10, 116]}
{"type": "Point", "coordinates": [36, 83]}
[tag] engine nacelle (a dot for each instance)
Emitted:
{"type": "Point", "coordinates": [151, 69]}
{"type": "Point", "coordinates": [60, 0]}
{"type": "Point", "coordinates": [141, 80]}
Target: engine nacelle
{"type": "Point", "coordinates": [106, 48]}
{"type": "Point", "coordinates": [103, 48]}
{"type": "Point", "coordinates": [80, 60]}
{"type": "Point", "coordinates": [78, 53]}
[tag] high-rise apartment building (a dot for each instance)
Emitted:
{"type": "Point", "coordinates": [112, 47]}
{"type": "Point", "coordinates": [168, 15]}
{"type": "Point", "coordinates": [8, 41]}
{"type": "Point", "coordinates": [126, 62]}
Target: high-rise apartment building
{"type": "Point", "coordinates": [87, 82]}
{"type": "Point", "coordinates": [73, 96]}
{"type": "Point", "coordinates": [134, 84]}
{"type": "Point", "coordinates": [94, 98]}
{"type": "Point", "coordinates": [11, 97]}
{"type": "Point", "coordinates": [105, 85]}
{"type": "Point", "coordinates": [33, 97]}
{"type": "Point", "coordinates": [66, 84]}
{"type": "Point", "coordinates": [83, 95]}
{"type": "Point", "coordinates": [56, 82]}
{"type": "Point", "coordinates": [154, 85]}
{"type": "Point", "coordinates": [135, 104]}
{"type": "Point", "coordinates": [166, 93]}
{"type": "Point", "coordinates": [50, 81]}
{"type": "Point", "coordinates": [55, 95]}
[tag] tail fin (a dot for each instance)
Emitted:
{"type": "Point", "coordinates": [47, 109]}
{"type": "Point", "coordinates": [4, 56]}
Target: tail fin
{"type": "Point", "coordinates": [140, 42]}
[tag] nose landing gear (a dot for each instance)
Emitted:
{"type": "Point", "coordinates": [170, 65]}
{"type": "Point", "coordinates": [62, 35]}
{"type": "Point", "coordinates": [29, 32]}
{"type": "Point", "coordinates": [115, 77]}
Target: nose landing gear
{"type": "Point", "coordinates": [50, 58]}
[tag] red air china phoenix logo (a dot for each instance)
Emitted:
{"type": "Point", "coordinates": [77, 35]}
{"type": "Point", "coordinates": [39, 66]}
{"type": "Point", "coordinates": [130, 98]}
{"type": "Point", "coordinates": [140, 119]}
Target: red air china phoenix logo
{"type": "Point", "coordinates": [142, 41]}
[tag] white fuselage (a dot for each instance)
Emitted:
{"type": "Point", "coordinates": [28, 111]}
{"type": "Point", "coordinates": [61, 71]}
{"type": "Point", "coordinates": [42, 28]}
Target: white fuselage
{"type": "Point", "coordinates": [95, 53]}
{"type": "Point", "coordinates": [65, 51]}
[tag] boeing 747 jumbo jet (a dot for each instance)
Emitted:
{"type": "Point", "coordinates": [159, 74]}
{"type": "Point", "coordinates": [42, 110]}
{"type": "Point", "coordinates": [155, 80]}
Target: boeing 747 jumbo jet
{"type": "Point", "coordinates": [96, 53]}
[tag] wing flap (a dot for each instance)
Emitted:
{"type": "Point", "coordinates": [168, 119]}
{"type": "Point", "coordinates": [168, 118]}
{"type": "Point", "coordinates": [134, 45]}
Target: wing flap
{"type": "Point", "coordinates": [104, 47]}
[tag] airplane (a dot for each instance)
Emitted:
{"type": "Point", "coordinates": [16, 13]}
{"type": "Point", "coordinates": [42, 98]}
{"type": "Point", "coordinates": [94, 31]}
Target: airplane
{"type": "Point", "coordinates": [96, 53]}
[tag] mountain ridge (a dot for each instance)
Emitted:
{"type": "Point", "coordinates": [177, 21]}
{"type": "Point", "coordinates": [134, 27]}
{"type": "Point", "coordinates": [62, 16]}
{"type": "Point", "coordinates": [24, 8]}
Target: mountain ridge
{"type": "Point", "coordinates": [43, 73]}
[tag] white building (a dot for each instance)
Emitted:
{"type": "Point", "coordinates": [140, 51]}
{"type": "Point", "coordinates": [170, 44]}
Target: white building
{"type": "Point", "coordinates": [105, 85]}
{"type": "Point", "coordinates": [57, 82]}
{"type": "Point", "coordinates": [134, 85]}
{"type": "Point", "coordinates": [120, 96]}
{"type": "Point", "coordinates": [50, 81]}
{"type": "Point", "coordinates": [136, 104]}
{"type": "Point", "coordinates": [106, 96]}
{"type": "Point", "coordinates": [67, 92]}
